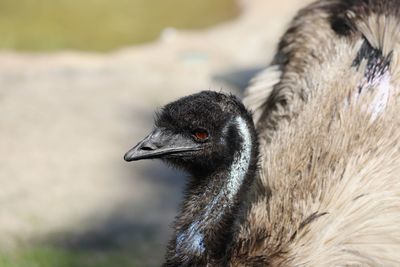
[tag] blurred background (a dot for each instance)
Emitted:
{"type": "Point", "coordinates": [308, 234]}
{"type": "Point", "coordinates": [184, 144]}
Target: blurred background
{"type": "Point", "coordinates": [79, 84]}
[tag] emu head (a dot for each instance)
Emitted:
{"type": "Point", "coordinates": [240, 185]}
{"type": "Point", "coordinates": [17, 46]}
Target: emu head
{"type": "Point", "coordinates": [197, 133]}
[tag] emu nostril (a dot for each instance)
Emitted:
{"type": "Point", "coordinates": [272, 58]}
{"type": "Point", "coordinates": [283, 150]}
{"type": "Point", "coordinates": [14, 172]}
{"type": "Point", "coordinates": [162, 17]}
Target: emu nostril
{"type": "Point", "coordinates": [148, 145]}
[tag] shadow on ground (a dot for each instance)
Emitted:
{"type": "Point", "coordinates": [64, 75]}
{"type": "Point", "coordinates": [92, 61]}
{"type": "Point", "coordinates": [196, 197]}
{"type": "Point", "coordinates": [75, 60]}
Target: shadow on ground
{"type": "Point", "coordinates": [140, 239]}
{"type": "Point", "coordinates": [239, 79]}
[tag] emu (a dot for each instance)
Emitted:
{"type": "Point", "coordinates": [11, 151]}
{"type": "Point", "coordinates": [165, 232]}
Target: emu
{"type": "Point", "coordinates": [311, 177]}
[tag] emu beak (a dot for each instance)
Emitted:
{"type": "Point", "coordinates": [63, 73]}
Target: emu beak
{"type": "Point", "coordinates": [159, 144]}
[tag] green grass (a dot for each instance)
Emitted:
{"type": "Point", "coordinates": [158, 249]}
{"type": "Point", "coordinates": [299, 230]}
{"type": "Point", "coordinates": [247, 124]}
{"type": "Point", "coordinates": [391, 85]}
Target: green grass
{"type": "Point", "coordinates": [101, 25]}
{"type": "Point", "coordinates": [138, 251]}
{"type": "Point", "coordinates": [57, 257]}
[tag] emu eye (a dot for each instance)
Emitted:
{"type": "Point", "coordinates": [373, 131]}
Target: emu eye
{"type": "Point", "coordinates": [200, 134]}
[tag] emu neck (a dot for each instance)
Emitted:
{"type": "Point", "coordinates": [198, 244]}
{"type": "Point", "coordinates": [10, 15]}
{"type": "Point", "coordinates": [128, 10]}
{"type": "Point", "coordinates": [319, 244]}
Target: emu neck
{"type": "Point", "coordinates": [205, 228]}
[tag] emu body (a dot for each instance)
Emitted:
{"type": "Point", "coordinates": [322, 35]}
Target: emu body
{"type": "Point", "coordinates": [327, 188]}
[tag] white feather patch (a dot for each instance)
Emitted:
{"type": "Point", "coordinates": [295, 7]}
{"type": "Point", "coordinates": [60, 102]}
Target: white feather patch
{"type": "Point", "coordinates": [381, 87]}
{"type": "Point", "coordinates": [241, 162]}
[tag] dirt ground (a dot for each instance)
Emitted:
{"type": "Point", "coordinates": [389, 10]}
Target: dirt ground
{"type": "Point", "coordinates": [68, 118]}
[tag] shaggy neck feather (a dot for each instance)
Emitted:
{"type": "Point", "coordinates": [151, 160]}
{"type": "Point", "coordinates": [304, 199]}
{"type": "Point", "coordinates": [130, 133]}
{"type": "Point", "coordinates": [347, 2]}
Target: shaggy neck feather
{"type": "Point", "coordinates": [210, 228]}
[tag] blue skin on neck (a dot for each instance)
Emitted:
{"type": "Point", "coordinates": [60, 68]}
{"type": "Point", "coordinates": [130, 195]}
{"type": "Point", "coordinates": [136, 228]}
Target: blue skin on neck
{"type": "Point", "coordinates": [191, 241]}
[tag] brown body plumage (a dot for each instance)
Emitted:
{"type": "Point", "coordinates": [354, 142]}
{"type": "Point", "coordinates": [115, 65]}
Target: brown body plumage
{"type": "Point", "coordinates": [327, 190]}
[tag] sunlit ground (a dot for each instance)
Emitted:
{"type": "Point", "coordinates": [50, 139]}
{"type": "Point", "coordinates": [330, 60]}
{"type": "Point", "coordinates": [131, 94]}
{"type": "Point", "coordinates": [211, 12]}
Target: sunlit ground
{"type": "Point", "coordinates": [101, 25]}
